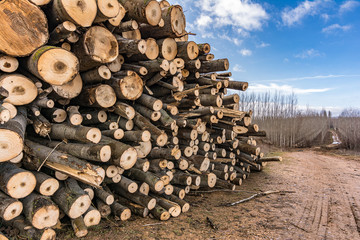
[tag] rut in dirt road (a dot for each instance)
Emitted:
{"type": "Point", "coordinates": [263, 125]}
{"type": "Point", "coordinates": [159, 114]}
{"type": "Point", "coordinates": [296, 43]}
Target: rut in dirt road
{"type": "Point", "coordinates": [329, 193]}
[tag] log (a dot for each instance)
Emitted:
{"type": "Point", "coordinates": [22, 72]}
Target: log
{"type": "Point", "coordinates": [116, 134]}
{"type": "Point", "coordinates": [160, 213]}
{"type": "Point", "coordinates": [61, 32]}
{"type": "Point", "coordinates": [16, 182]}
{"type": "Point", "coordinates": [214, 66]}
{"type": "Point", "coordinates": [128, 86]}
{"type": "Point", "coordinates": [156, 134]}
{"type": "Point", "coordinates": [12, 136]}
{"type": "Point", "coordinates": [143, 11]}
{"type": "Point", "coordinates": [271, 159]}
{"type": "Point", "coordinates": [69, 90]}
{"type": "Point", "coordinates": [150, 102]}
{"type": "Point", "coordinates": [168, 48]}
{"type": "Point", "coordinates": [174, 24]}
{"type": "Point", "coordinates": [102, 96]}
{"type": "Point", "coordinates": [126, 26]}
{"type": "Point", "coordinates": [131, 46]}
{"type": "Point", "coordinates": [138, 198]}
{"type": "Point", "coordinates": [45, 184]}
{"type": "Point", "coordinates": [165, 153]}
{"type": "Point", "coordinates": [27, 231]}
{"type": "Point", "coordinates": [79, 227]}
{"type": "Point", "coordinates": [10, 208]}
{"type": "Point", "coordinates": [40, 211]}
{"type": "Point", "coordinates": [92, 217]}
{"type": "Point", "coordinates": [106, 9]}
{"type": "Point", "coordinates": [242, 86]}
{"type": "Point", "coordinates": [96, 75]}
{"type": "Point", "coordinates": [72, 199]}
{"type": "Point", "coordinates": [103, 208]}
{"type": "Point", "coordinates": [120, 211]}
{"type": "Point", "coordinates": [137, 136]}
{"type": "Point", "coordinates": [78, 133]}
{"type": "Point", "coordinates": [208, 180]}
{"type": "Point", "coordinates": [184, 205]}
{"type": "Point", "coordinates": [96, 47]}
{"type": "Point", "coordinates": [8, 64]}
{"type": "Point", "coordinates": [56, 115]}
{"type": "Point", "coordinates": [80, 12]}
{"type": "Point", "coordinates": [187, 50]}
{"type": "Point", "coordinates": [64, 163]}
{"type": "Point", "coordinates": [154, 182]}
{"type": "Point", "coordinates": [24, 28]}
{"type": "Point", "coordinates": [124, 110]}
{"type": "Point", "coordinates": [116, 21]}
{"type": "Point", "coordinates": [53, 65]}
{"type": "Point", "coordinates": [92, 152]}
{"type": "Point", "coordinates": [122, 155]}
{"type": "Point", "coordinates": [135, 208]}
{"type": "Point", "coordinates": [21, 90]}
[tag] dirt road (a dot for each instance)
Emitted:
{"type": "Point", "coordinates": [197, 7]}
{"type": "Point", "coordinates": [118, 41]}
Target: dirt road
{"type": "Point", "coordinates": [325, 205]}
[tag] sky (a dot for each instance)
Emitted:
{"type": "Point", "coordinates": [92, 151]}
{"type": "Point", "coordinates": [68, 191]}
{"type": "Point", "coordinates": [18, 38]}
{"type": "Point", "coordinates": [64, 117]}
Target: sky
{"type": "Point", "coordinates": [310, 48]}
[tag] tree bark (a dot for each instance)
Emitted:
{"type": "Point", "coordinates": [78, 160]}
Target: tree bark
{"type": "Point", "coordinates": [143, 12]}
{"type": "Point", "coordinates": [40, 211]}
{"type": "Point", "coordinates": [45, 184]}
{"type": "Point", "coordinates": [10, 208]}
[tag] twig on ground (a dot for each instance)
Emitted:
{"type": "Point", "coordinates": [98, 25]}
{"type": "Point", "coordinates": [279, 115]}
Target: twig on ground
{"type": "Point", "coordinates": [211, 223]}
{"type": "Point", "coordinates": [255, 196]}
{"type": "Point", "coordinates": [151, 224]}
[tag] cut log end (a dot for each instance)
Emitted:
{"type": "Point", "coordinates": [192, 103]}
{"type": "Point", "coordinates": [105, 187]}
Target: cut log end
{"type": "Point", "coordinates": [128, 158]}
{"type": "Point", "coordinates": [79, 207]}
{"type": "Point", "coordinates": [46, 216]}
{"type": "Point", "coordinates": [12, 210]}
{"type": "Point", "coordinates": [48, 234]}
{"type": "Point", "coordinates": [94, 135]}
{"type": "Point", "coordinates": [21, 184]}
{"type": "Point", "coordinates": [92, 218]}
{"type": "Point", "coordinates": [81, 12]}
{"type": "Point", "coordinates": [153, 13]}
{"type": "Point", "coordinates": [162, 139]}
{"type": "Point", "coordinates": [105, 153]}
{"type": "Point", "coordinates": [49, 187]}
{"type": "Point", "coordinates": [211, 180]}
{"type": "Point", "coordinates": [21, 90]}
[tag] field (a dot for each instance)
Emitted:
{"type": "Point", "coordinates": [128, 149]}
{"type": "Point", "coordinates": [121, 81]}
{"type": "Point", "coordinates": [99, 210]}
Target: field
{"type": "Point", "coordinates": [325, 205]}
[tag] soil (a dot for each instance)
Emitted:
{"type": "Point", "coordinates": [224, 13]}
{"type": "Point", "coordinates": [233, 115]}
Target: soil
{"type": "Point", "coordinates": [325, 204]}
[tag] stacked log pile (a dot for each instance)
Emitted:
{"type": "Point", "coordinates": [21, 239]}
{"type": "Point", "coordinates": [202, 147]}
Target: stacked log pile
{"type": "Point", "coordinates": [108, 108]}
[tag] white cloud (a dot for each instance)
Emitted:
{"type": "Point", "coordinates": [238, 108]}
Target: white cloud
{"type": "Point", "coordinates": [292, 16]}
{"type": "Point", "coordinates": [348, 6]}
{"type": "Point", "coordinates": [286, 60]}
{"type": "Point", "coordinates": [245, 52]}
{"type": "Point", "coordinates": [203, 21]}
{"type": "Point", "coordinates": [335, 28]}
{"type": "Point", "coordinates": [309, 53]}
{"type": "Point", "coordinates": [287, 89]}
{"type": "Point", "coordinates": [234, 40]}
{"type": "Point", "coordinates": [238, 68]}
{"type": "Point", "coordinates": [242, 14]}
{"type": "Point", "coordinates": [325, 16]}
{"type": "Point", "coordinates": [263, 45]}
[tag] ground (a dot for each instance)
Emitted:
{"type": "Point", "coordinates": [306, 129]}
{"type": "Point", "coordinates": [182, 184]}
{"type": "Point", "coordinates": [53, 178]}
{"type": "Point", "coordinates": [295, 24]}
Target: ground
{"type": "Point", "coordinates": [325, 204]}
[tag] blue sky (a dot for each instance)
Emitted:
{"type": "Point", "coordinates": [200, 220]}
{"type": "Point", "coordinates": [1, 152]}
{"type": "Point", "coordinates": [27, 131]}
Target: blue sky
{"type": "Point", "coordinates": [311, 48]}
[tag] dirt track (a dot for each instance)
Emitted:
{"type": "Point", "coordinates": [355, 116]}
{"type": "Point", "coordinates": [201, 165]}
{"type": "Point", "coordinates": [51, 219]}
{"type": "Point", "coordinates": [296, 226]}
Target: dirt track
{"type": "Point", "coordinates": [325, 205]}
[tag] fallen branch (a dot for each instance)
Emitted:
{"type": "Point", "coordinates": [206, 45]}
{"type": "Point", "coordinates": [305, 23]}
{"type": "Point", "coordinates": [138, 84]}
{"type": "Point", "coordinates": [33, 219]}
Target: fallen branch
{"type": "Point", "coordinates": [255, 196]}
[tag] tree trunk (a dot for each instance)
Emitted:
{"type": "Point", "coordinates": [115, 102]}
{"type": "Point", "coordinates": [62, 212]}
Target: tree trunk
{"type": "Point", "coordinates": [61, 32]}
{"type": "Point", "coordinates": [187, 50]}
{"type": "Point", "coordinates": [154, 182]}
{"type": "Point", "coordinates": [106, 10]}
{"type": "Point", "coordinates": [103, 208]}
{"type": "Point", "coordinates": [96, 75]}
{"type": "Point", "coordinates": [138, 198]}
{"type": "Point", "coordinates": [242, 86]}
{"type": "Point", "coordinates": [160, 213]}
{"type": "Point", "coordinates": [131, 46]}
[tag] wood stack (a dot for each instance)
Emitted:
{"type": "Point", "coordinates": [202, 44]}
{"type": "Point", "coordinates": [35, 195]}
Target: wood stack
{"type": "Point", "coordinates": [107, 108]}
